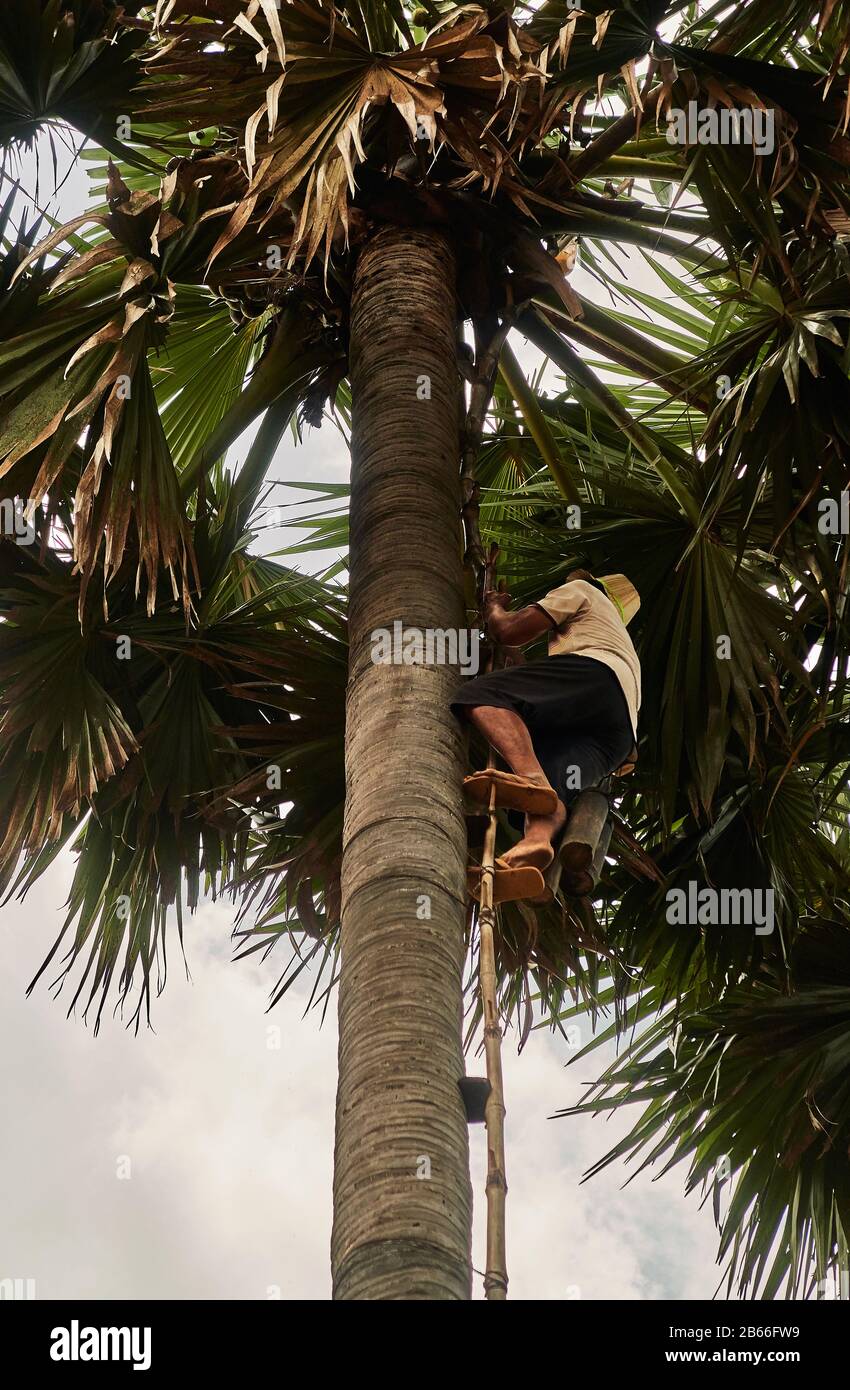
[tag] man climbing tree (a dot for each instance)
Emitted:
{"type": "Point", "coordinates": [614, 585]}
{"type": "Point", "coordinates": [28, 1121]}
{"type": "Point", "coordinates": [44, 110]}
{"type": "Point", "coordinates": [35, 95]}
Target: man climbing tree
{"type": "Point", "coordinates": [561, 724]}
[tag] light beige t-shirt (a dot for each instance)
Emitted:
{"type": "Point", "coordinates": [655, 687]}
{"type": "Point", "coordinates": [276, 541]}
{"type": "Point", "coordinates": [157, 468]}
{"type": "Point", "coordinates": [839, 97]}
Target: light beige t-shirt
{"type": "Point", "coordinates": [589, 625]}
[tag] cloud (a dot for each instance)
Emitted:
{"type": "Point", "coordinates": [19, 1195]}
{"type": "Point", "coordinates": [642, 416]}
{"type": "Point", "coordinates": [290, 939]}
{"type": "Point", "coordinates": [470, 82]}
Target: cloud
{"type": "Point", "coordinates": [230, 1141]}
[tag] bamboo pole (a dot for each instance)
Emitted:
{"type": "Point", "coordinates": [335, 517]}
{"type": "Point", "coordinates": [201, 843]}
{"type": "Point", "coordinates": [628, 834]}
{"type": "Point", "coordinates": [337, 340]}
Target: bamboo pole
{"type": "Point", "coordinates": [496, 1271]}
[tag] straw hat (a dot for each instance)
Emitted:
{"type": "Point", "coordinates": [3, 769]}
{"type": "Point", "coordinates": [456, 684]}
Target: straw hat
{"type": "Point", "coordinates": [622, 594]}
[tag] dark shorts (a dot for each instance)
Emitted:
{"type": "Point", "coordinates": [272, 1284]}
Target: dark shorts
{"type": "Point", "coordinates": [575, 711]}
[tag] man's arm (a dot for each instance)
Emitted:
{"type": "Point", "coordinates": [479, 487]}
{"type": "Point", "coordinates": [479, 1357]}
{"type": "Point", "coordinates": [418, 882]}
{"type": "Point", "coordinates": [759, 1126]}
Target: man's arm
{"type": "Point", "coordinates": [514, 629]}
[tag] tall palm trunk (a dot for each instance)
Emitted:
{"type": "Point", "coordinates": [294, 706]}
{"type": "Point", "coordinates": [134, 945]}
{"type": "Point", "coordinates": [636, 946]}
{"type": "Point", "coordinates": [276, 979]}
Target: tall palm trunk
{"type": "Point", "coordinates": [402, 1201]}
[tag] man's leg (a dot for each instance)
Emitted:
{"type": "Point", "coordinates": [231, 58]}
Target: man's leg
{"type": "Point", "coordinates": [510, 737]}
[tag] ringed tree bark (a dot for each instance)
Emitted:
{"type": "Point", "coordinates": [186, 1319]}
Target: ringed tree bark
{"type": "Point", "coordinates": [402, 1198]}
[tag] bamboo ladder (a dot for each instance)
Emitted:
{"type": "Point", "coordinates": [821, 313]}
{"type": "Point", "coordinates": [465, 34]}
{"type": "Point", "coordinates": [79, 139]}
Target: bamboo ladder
{"type": "Point", "coordinates": [496, 1272]}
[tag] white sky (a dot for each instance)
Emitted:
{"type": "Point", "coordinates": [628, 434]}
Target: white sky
{"type": "Point", "coordinates": [230, 1141]}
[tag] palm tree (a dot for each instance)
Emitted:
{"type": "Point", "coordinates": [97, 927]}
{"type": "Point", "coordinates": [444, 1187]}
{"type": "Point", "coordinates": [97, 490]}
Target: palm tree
{"type": "Point", "coordinates": [303, 205]}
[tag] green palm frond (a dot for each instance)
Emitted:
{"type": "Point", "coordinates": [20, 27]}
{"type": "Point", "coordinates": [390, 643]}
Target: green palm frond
{"type": "Point", "coordinates": [753, 1093]}
{"type": "Point", "coordinates": [182, 729]}
{"type": "Point", "coordinates": [66, 60]}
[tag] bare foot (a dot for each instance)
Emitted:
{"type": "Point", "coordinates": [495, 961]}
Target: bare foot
{"type": "Point", "coordinates": [526, 854]}
{"type": "Point", "coordinates": [535, 848]}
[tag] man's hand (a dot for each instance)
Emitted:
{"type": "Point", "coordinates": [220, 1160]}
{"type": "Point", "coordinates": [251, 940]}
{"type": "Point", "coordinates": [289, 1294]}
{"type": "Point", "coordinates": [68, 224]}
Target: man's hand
{"type": "Point", "coordinates": [513, 629]}
{"type": "Point", "coordinates": [496, 598]}
{"type": "Point", "coordinates": [495, 604]}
